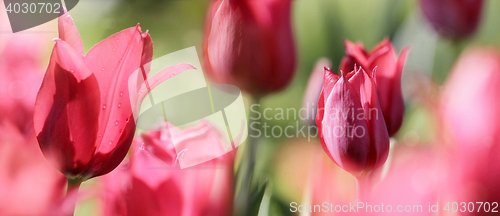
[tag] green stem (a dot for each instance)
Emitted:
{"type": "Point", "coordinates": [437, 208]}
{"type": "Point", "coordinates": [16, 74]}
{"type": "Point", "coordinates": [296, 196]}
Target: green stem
{"type": "Point", "coordinates": [73, 187]}
{"type": "Point", "coordinates": [244, 200]}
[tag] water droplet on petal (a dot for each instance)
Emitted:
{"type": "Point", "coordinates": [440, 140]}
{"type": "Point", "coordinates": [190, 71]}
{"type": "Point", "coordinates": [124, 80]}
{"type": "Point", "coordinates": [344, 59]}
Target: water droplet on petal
{"type": "Point", "coordinates": [114, 49]}
{"type": "Point", "coordinates": [119, 105]}
{"type": "Point", "coordinates": [72, 71]}
{"type": "Point", "coordinates": [117, 40]}
{"type": "Point", "coordinates": [102, 69]}
{"type": "Point", "coordinates": [110, 142]}
{"type": "Point", "coordinates": [172, 75]}
{"type": "Point", "coordinates": [104, 106]}
{"type": "Point", "coordinates": [116, 123]}
{"type": "Point", "coordinates": [121, 131]}
{"type": "Point", "coordinates": [142, 146]}
{"type": "Point", "coordinates": [121, 93]}
{"type": "Point", "coordinates": [128, 119]}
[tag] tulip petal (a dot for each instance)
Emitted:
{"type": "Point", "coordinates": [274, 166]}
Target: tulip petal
{"type": "Point", "coordinates": [348, 140]}
{"type": "Point", "coordinates": [68, 33]}
{"type": "Point", "coordinates": [113, 60]}
{"type": "Point", "coordinates": [119, 151]}
{"type": "Point", "coordinates": [388, 79]}
{"type": "Point", "coordinates": [143, 200]}
{"type": "Point", "coordinates": [249, 44]}
{"type": "Point", "coordinates": [319, 121]}
{"type": "Point", "coordinates": [384, 47]}
{"type": "Point", "coordinates": [355, 55]}
{"type": "Point", "coordinates": [67, 110]}
{"type": "Point", "coordinates": [227, 28]}
{"type": "Point", "coordinates": [198, 144]}
{"type": "Point", "coordinates": [138, 95]}
{"type": "Point", "coordinates": [329, 81]}
{"type": "Point", "coordinates": [158, 142]}
{"type": "Point", "coordinates": [379, 137]}
{"type": "Point", "coordinates": [146, 166]}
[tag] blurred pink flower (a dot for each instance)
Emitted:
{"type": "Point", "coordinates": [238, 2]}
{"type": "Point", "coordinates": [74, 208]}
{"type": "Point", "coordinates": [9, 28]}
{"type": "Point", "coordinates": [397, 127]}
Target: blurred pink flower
{"type": "Point", "coordinates": [387, 77]}
{"type": "Point", "coordinates": [415, 177]}
{"type": "Point", "coordinates": [28, 184]}
{"type": "Point", "coordinates": [350, 123]}
{"type": "Point", "coordinates": [470, 114]}
{"type": "Point", "coordinates": [152, 183]}
{"type": "Point", "coordinates": [453, 19]}
{"type": "Point", "coordinates": [249, 43]}
{"type": "Point", "coordinates": [21, 74]}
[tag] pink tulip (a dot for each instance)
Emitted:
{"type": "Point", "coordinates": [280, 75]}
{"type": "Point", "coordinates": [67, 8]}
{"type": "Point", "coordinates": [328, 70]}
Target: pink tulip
{"type": "Point", "coordinates": [388, 77]}
{"type": "Point", "coordinates": [350, 122]}
{"type": "Point", "coordinates": [84, 109]}
{"type": "Point", "coordinates": [453, 19]}
{"type": "Point", "coordinates": [152, 183]}
{"type": "Point", "coordinates": [249, 43]}
{"type": "Point", "coordinates": [470, 114]}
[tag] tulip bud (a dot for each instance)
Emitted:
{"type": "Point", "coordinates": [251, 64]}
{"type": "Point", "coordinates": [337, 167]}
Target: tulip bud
{"type": "Point", "coordinates": [83, 113]}
{"type": "Point", "coordinates": [453, 19]}
{"type": "Point", "coordinates": [249, 43]}
{"type": "Point", "coordinates": [350, 123]}
{"type": "Point", "coordinates": [388, 77]}
{"type": "Point", "coordinates": [470, 116]}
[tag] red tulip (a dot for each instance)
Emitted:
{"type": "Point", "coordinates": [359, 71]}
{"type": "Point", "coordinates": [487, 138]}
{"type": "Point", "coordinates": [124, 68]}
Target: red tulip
{"type": "Point", "coordinates": [249, 43]}
{"type": "Point", "coordinates": [83, 112]}
{"type": "Point", "coordinates": [470, 114]}
{"type": "Point", "coordinates": [388, 77]}
{"type": "Point", "coordinates": [453, 18]}
{"type": "Point", "coordinates": [153, 183]}
{"type": "Point", "coordinates": [350, 123]}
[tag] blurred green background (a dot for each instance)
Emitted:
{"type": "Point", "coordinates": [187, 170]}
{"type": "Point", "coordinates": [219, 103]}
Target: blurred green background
{"type": "Point", "coordinates": [320, 26]}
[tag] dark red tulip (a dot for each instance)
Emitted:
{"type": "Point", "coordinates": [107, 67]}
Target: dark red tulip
{"type": "Point", "coordinates": [83, 112]}
{"type": "Point", "coordinates": [350, 123]}
{"type": "Point", "coordinates": [153, 183]}
{"type": "Point", "coordinates": [249, 43]}
{"type": "Point", "coordinates": [453, 18]}
{"type": "Point", "coordinates": [388, 77]}
{"type": "Point", "coordinates": [470, 114]}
